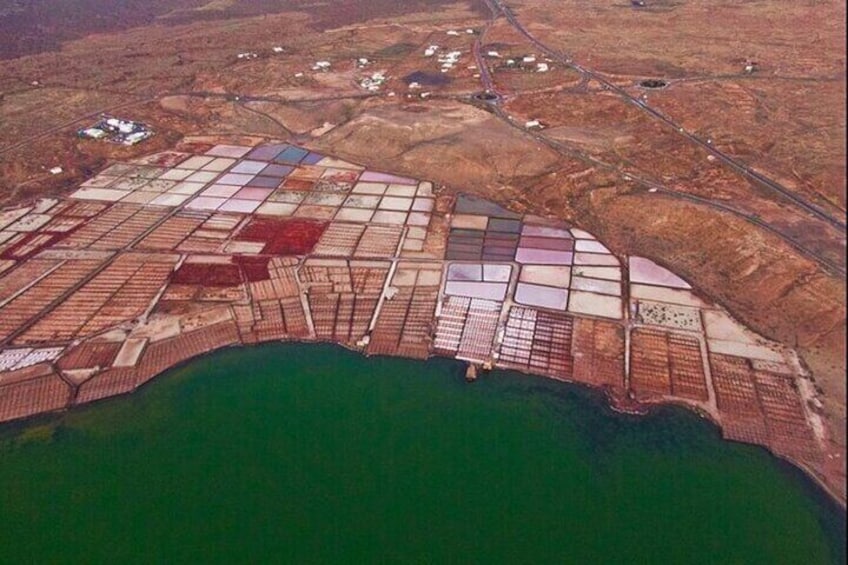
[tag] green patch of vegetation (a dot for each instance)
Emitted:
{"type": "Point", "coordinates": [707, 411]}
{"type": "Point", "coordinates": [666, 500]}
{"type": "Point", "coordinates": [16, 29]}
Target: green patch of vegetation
{"type": "Point", "coordinates": [396, 50]}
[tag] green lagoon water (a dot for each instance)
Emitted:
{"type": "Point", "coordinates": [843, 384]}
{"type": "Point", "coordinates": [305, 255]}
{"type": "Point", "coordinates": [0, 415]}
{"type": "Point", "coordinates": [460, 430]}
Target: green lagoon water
{"type": "Point", "coordinates": [312, 454]}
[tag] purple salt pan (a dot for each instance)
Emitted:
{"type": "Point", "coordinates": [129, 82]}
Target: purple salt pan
{"type": "Point", "coordinates": [234, 179]}
{"type": "Point", "coordinates": [374, 176]}
{"type": "Point", "coordinates": [542, 296]}
{"type": "Point", "coordinates": [591, 246]}
{"type": "Point", "coordinates": [554, 244]}
{"type": "Point", "coordinates": [221, 190]}
{"type": "Point", "coordinates": [646, 271]}
{"type": "Point", "coordinates": [543, 256]}
{"type": "Point", "coordinates": [250, 193]}
{"type": "Point", "coordinates": [464, 272]}
{"type": "Point", "coordinates": [267, 152]}
{"type": "Point", "coordinates": [276, 171]}
{"type": "Point", "coordinates": [500, 249]}
{"type": "Point", "coordinates": [238, 205]}
{"type": "Point", "coordinates": [460, 255]}
{"type": "Point", "coordinates": [491, 256]}
{"type": "Point", "coordinates": [248, 167]}
{"type": "Point", "coordinates": [496, 273]}
{"type": "Point", "coordinates": [264, 182]}
{"type": "Point", "coordinates": [312, 159]}
{"type": "Point", "coordinates": [205, 203]}
{"type": "Point", "coordinates": [469, 247]}
{"type": "Point", "coordinates": [490, 291]}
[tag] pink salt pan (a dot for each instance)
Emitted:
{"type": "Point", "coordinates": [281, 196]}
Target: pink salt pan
{"type": "Point", "coordinates": [645, 271]}
{"type": "Point", "coordinates": [243, 206]}
{"type": "Point", "coordinates": [374, 176]}
{"type": "Point", "coordinates": [423, 205]}
{"type": "Point", "coordinates": [205, 203]}
{"type": "Point", "coordinates": [465, 272]}
{"type": "Point", "coordinates": [542, 296]}
{"type": "Point", "coordinates": [489, 291]}
{"type": "Point", "coordinates": [250, 193]}
{"type": "Point", "coordinates": [418, 219]}
{"type": "Point", "coordinates": [543, 256]}
{"type": "Point", "coordinates": [220, 190]}
{"type": "Point", "coordinates": [496, 273]}
{"type": "Point", "coordinates": [249, 167]}
{"type": "Point", "coordinates": [591, 246]}
{"type": "Point", "coordinates": [235, 179]}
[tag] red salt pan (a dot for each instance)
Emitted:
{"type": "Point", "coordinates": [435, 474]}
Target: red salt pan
{"type": "Point", "coordinates": [284, 237]}
{"type": "Point", "coordinates": [254, 268]}
{"type": "Point", "coordinates": [207, 274]}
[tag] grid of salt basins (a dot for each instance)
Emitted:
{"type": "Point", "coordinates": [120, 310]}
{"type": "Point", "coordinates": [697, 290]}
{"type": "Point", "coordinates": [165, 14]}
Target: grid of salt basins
{"type": "Point", "coordinates": [246, 244]}
{"type": "Point", "coordinates": [277, 179]}
{"type": "Point", "coordinates": [496, 258]}
{"type": "Point", "coordinates": [682, 346]}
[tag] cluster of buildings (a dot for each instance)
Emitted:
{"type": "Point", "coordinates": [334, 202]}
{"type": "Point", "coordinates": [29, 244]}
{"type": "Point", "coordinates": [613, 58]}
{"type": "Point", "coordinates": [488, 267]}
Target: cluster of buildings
{"type": "Point", "coordinates": [525, 62]}
{"type": "Point", "coordinates": [116, 130]}
{"type": "Point", "coordinates": [447, 59]}
{"type": "Point", "coordinates": [373, 82]}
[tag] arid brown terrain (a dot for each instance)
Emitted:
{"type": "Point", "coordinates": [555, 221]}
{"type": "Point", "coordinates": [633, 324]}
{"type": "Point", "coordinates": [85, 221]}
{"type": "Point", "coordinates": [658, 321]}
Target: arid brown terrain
{"type": "Point", "coordinates": [727, 166]}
